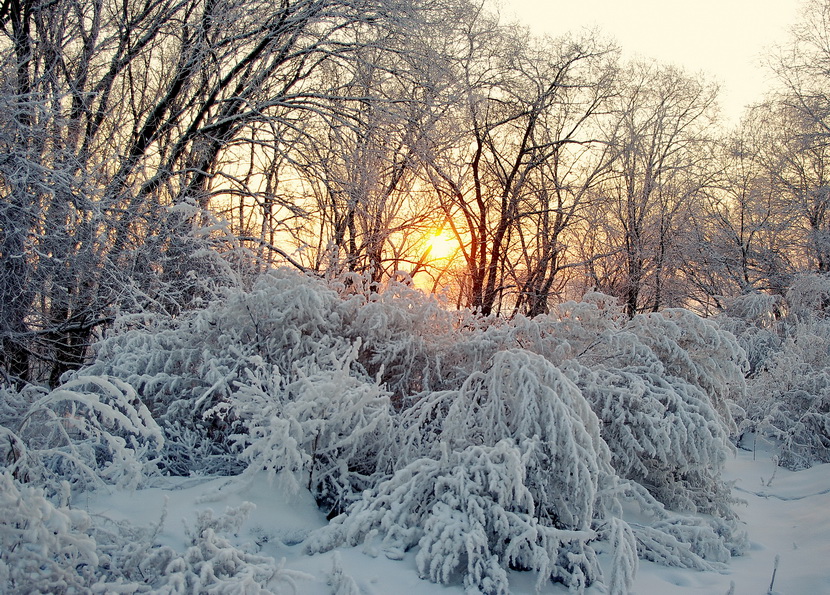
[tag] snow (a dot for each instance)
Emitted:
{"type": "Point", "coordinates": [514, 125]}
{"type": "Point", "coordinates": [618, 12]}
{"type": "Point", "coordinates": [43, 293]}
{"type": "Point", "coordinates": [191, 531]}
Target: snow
{"type": "Point", "coordinates": [785, 514]}
{"type": "Point", "coordinates": [593, 451]}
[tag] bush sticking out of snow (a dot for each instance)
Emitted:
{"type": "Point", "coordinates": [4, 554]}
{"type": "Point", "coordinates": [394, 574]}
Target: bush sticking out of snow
{"type": "Point", "coordinates": [329, 427]}
{"type": "Point", "coordinates": [664, 434]}
{"type": "Point", "coordinates": [790, 397]}
{"type": "Point", "coordinates": [45, 548]}
{"type": "Point", "coordinates": [486, 444]}
{"type": "Point", "coordinates": [697, 351]}
{"type": "Point", "coordinates": [89, 431]}
{"type": "Point", "coordinates": [340, 582]}
{"type": "Point", "coordinates": [522, 396]}
{"type": "Point", "coordinates": [213, 565]}
{"type": "Point", "coordinates": [472, 516]}
{"type": "Point", "coordinates": [511, 471]}
{"type": "Point", "coordinates": [788, 341]}
{"type": "Point", "coordinates": [48, 548]}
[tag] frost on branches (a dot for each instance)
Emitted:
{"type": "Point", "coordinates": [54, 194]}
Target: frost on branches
{"type": "Point", "coordinates": [788, 396]}
{"type": "Point", "coordinates": [605, 412]}
{"type": "Point", "coordinates": [484, 445]}
{"type": "Point", "coordinates": [510, 475]}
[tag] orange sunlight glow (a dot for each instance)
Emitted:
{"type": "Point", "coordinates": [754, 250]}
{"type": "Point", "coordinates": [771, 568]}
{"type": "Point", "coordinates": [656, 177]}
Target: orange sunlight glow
{"type": "Point", "coordinates": [442, 246]}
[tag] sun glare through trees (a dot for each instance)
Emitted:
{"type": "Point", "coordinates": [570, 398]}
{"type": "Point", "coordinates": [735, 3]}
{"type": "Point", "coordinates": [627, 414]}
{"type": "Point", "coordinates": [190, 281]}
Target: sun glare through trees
{"type": "Point", "coordinates": [442, 246]}
{"type": "Point", "coordinates": [476, 293]}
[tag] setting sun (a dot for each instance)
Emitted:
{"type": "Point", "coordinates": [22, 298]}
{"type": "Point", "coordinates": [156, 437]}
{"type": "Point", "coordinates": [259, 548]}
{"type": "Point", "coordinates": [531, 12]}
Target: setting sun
{"type": "Point", "coordinates": [442, 245]}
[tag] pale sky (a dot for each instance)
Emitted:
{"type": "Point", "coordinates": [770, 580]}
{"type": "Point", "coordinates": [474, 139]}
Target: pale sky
{"type": "Point", "coordinates": [725, 39]}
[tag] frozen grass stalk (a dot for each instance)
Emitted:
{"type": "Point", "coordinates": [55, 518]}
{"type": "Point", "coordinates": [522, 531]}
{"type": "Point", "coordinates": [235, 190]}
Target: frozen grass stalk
{"type": "Point", "coordinates": [774, 570]}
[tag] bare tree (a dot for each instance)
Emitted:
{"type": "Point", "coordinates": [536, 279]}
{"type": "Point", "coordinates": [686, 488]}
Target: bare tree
{"type": "Point", "coordinates": [525, 103]}
{"type": "Point", "coordinates": [799, 124]}
{"type": "Point", "coordinates": [360, 169]}
{"type": "Point", "coordinates": [662, 135]}
{"type": "Point", "coordinates": [745, 237]}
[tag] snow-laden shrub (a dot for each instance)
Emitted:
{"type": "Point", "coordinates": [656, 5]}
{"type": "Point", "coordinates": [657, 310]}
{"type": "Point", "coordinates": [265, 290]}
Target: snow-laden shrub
{"type": "Point", "coordinates": [472, 516]}
{"type": "Point", "coordinates": [90, 430]}
{"type": "Point", "coordinates": [290, 377]}
{"type": "Point", "coordinates": [340, 582]}
{"type": "Point", "coordinates": [521, 396]}
{"type": "Point", "coordinates": [187, 367]}
{"type": "Point", "coordinates": [790, 397]}
{"type": "Point", "coordinates": [662, 385]}
{"type": "Point", "coordinates": [54, 548]}
{"type": "Point", "coordinates": [788, 343]}
{"type": "Point", "coordinates": [286, 317]}
{"type": "Point", "coordinates": [131, 559]}
{"type": "Point", "coordinates": [43, 548]}
{"type": "Point", "coordinates": [212, 564]}
{"type": "Point", "coordinates": [516, 455]}
{"type": "Point", "coordinates": [808, 297]}
{"type": "Point", "coordinates": [584, 323]}
{"type": "Point", "coordinates": [674, 342]}
{"type": "Point", "coordinates": [752, 318]}
{"type": "Point", "coordinates": [624, 562]}
{"type": "Point", "coordinates": [196, 449]}
{"type": "Point", "coordinates": [754, 308]}
{"type": "Point", "coordinates": [403, 334]}
{"type": "Point", "coordinates": [49, 548]}
{"type": "Point", "coordinates": [15, 401]}
{"type": "Point", "coordinates": [568, 332]}
{"type": "Point", "coordinates": [663, 433]}
{"type": "Point", "coordinates": [508, 471]}
{"type": "Point", "coordinates": [193, 370]}
{"type": "Point", "coordinates": [697, 351]}
{"type": "Point", "coordinates": [330, 427]}
{"type": "Point", "coordinates": [758, 343]}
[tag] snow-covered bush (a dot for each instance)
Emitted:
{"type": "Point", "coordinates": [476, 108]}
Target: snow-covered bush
{"type": "Point", "coordinates": [521, 396]}
{"type": "Point", "coordinates": [488, 444]}
{"type": "Point", "coordinates": [790, 398]}
{"type": "Point", "coordinates": [697, 351]}
{"type": "Point", "coordinates": [808, 297]}
{"type": "Point", "coordinates": [663, 386]}
{"type": "Point", "coordinates": [404, 335]}
{"type": "Point", "coordinates": [196, 372]}
{"type": "Point", "coordinates": [472, 515]}
{"type": "Point", "coordinates": [788, 343]}
{"type": "Point", "coordinates": [664, 434]}
{"type": "Point", "coordinates": [187, 369]}
{"type": "Point", "coordinates": [54, 548]}
{"type": "Point", "coordinates": [512, 470]}
{"type": "Point", "coordinates": [330, 427]}
{"type": "Point", "coordinates": [43, 548]}
{"type": "Point", "coordinates": [89, 431]}
{"type": "Point", "coordinates": [212, 564]}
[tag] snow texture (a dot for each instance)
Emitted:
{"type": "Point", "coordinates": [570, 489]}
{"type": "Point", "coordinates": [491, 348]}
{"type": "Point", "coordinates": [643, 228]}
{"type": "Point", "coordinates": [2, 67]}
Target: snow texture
{"type": "Point", "coordinates": [572, 447]}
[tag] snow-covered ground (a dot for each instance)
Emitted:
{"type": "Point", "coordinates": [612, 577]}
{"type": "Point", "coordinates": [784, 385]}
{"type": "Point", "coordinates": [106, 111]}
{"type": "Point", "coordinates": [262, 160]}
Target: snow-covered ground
{"type": "Point", "coordinates": [787, 515]}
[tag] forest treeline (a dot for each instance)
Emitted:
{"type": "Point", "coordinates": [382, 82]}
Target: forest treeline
{"type": "Point", "coordinates": [155, 151]}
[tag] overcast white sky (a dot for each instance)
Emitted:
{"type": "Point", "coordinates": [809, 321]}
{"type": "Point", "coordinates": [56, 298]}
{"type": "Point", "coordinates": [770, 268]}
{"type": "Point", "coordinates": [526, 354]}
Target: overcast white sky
{"type": "Point", "coordinates": [723, 38]}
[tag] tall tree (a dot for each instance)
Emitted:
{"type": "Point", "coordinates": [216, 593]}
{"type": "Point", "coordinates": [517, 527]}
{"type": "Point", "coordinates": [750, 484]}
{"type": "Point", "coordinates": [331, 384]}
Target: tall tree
{"type": "Point", "coordinates": [525, 102]}
{"type": "Point", "coordinates": [797, 153]}
{"type": "Point", "coordinates": [743, 229]}
{"type": "Point", "coordinates": [357, 164]}
{"type": "Point", "coordinates": [661, 132]}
